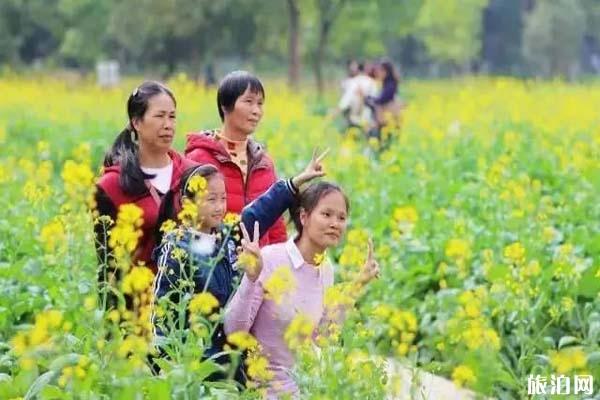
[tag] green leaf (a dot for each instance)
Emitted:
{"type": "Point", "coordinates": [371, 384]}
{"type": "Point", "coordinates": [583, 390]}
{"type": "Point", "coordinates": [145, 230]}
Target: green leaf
{"type": "Point", "coordinates": [498, 273]}
{"type": "Point", "coordinates": [207, 367]}
{"type": "Point", "coordinates": [567, 340]}
{"type": "Point", "coordinates": [39, 384]}
{"type": "Point", "coordinates": [51, 392]}
{"type": "Point", "coordinates": [158, 390]}
{"type": "Point", "coordinates": [589, 284]}
{"type": "Point", "coordinates": [593, 358]}
{"type": "Point", "coordinates": [59, 363]}
{"type": "Point", "coordinates": [164, 365]}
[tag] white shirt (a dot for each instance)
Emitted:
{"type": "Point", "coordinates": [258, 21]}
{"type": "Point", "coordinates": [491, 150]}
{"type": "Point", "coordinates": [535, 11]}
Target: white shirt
{"type": "Point", "coordinates": [356, 89]}
{"type": "Point", "coordinates": [162, 177]}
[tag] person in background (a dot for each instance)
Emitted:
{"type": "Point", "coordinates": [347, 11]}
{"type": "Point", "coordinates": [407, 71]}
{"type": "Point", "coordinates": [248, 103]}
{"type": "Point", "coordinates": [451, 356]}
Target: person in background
{"type": "Point", "coordinates": [352, 104]}
{"type": "Point", "coordinates": [247, 168]}
{"type": "Point", "coordinates": [385, 101]}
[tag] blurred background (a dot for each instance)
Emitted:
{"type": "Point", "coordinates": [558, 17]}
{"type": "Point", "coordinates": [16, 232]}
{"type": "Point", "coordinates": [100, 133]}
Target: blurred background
{"type": "Point", "coordinates": [307, 41]}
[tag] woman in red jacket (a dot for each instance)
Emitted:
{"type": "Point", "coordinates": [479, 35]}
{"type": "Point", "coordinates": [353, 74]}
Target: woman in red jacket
{"type": "Point", "coordinates": [247, 168]}
{"type": "Point", "coordinates": [139, 168]}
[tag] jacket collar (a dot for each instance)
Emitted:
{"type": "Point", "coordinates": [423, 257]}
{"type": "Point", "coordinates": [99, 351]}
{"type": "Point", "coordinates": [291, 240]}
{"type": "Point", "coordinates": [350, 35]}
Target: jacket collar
{"type": "Point", "coordinates": [208, 140]}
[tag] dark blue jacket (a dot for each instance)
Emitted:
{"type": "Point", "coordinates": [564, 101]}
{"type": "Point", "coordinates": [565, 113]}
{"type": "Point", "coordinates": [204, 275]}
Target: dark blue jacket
{"type": "Point", "coordinates": [211, 265]}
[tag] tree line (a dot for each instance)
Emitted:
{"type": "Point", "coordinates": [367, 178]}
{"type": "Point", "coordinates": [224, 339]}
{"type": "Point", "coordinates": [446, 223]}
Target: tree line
{"type": "Point", "coordinates": [426, 37]}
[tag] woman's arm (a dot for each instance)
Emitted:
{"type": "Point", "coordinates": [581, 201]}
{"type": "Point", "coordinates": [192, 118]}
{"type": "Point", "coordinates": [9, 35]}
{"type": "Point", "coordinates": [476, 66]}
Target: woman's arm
{"type": "Point", "coordinates": [242, 310]}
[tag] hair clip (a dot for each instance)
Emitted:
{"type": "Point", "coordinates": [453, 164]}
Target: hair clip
{"type": "Point", "coordinates": [135, 92]}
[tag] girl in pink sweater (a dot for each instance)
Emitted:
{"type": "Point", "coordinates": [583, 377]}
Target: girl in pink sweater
{"type": "Point", "coordinates": [320, 219]}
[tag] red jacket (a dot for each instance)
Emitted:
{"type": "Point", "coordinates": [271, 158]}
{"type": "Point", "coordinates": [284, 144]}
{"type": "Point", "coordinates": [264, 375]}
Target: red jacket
{"type": "Point", "coordinates": [110, 196]}
{"type": "Point", "coordinates": [205, 148]}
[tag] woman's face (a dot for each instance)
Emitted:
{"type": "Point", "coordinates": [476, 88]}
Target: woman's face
{"type": "Point", "coordinates": [247, 112]}
{"type": "Point", "coordinates": [156, 129]}
{"type": "Point", "coordinates": [212, 206]}
{"type": "Point", "coordinates": [326, 223]}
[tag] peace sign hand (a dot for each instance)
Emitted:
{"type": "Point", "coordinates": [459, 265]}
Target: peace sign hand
{"type": "Point", "coordinates": [250, 259]}
{"type": "Point", "coordinates": [370, 269]}
{"type": "Point", "coordinates": [313, 170]}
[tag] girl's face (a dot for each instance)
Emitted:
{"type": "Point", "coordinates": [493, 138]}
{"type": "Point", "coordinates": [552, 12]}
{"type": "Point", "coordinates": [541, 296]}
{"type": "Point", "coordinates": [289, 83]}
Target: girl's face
{"type": "Point", "coordinates": [212, 206]}
{"type": "Point", "coordinates": [326, 223]}
{"type": "Point", "coordinates": [156, 128]}
{"type": "Point", "coordinates": [247, 112]}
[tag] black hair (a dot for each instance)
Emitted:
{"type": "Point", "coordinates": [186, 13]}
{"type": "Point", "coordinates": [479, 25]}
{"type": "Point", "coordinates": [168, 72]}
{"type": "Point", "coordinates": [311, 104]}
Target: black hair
{"type": "Point", "coordinates": [390, 71]}
{"type": "Point", "coordinates": [308, 199]}
{"type": "Point", "coordinates": [124, 150]}
{"type": "Point", "coordinates": [172, 200]}
{"type": "Point", "coordinates": [232, 86]}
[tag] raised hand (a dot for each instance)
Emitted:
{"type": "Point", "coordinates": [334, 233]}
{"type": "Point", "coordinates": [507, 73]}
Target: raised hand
{"type": "Point", "coordinates": [313, 170]}
{"type": "Point", "coordinates": [370, 269]}
{"type": "Point", "coordinates": [250, 259]}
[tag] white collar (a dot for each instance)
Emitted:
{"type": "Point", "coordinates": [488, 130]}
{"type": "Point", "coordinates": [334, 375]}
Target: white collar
{"type": "Point", "coordinates": [297, 259]}
{"type": "Point", "coordinates": [294, 253]}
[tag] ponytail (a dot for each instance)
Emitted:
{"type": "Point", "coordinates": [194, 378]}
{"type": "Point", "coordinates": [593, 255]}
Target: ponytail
{"type": "Point", "coordinates": [124, 152]}
{"type": "Point", "coordinates": [165, 212]}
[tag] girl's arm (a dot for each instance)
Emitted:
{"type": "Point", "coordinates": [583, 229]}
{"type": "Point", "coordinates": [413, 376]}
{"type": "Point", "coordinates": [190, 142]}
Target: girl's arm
{"type": "Point", "coordinates": [269, 207]}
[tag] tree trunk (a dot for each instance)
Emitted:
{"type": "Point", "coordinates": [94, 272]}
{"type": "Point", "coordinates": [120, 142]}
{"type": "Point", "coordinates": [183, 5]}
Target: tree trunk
{"type": "Point", "coordinates": [328, 11]}
{"type": "Point", "coordinates": [294, 43]}
{"type": "Point", "coordinates": [324, 30]}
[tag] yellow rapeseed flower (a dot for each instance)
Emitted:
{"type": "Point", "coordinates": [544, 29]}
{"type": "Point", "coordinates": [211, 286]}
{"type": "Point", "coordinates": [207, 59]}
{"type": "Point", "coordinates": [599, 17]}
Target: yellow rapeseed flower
{"type": "Point", "coordinates": [458, 249]}
{"type": "Point", "coordinates": [231, 219]}
{"type": "Point", "coordinates": [515, 253]}
{"type": "Point", "coordinates": [78, 179]}
{"type": "Point", "coordinates": [280, 282]}
{"type": "Point", "coordinates": [189, 212]}
{"type": "Point", "coordinates": [299, 332]}
{"type": "Point", "coordinates": [319, 257]}
{"type": "Point", "coordinates": [242, 340]}
{"type": "Point", "coordinates": [258, 367]}
{"type": "Point", "coordinates": [248, 262]}
{"type": "Point", "coordinates": [168, 226]}
{"type": "Point", "coordinates": [568, 359]}
{"type": "Point", "coordinates": [53, 235]}
{"type": "Point", "coordinates": [125, 234]}
{"type": "Point", "coordinates": [203, 303]}
{"type": "Point", "coordinates": [406, 214]}
{"type": "Point", "coordinates": [133, 345]}
{"type": "Point", "coordinates": [138, 280]}
{"type": "Point", "coordinates": [197, 185]}
{"type": "Point", "coordinates": [463, 376]}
